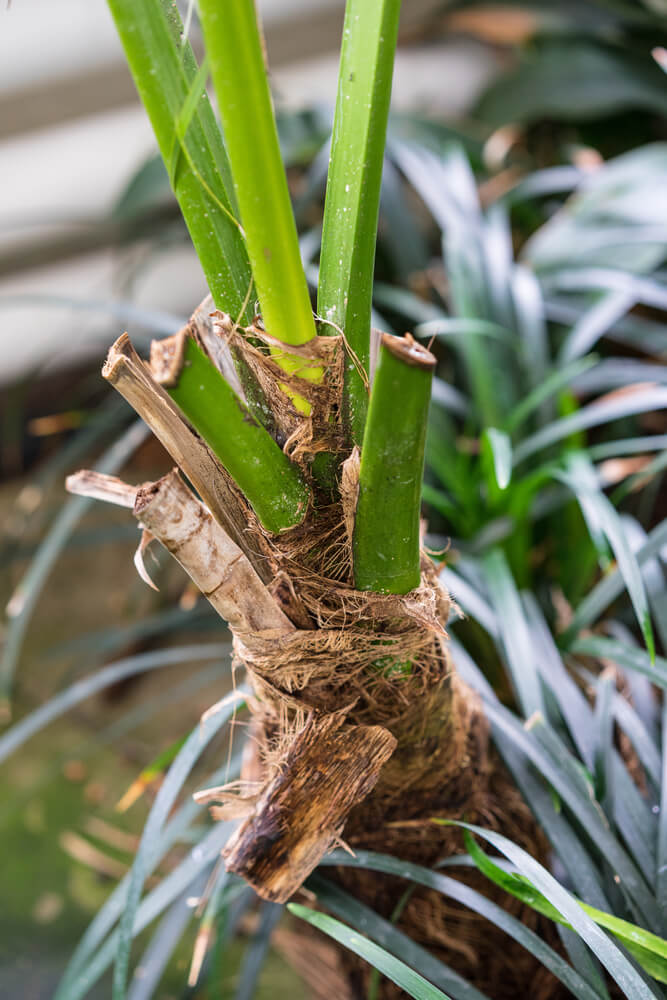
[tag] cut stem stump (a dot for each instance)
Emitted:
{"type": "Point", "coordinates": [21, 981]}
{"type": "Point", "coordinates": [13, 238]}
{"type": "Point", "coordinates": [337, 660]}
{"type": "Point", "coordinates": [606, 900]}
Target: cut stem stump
{"type": "Point", "coordinates": [274, 486]}
{"type": "Point", "coordinates": [125, 370]}
{"type": "Point", "coordinates": [172, 514]}
{"type": "Point", "coordinates": [386, 531]}
{"type": "Point", "coordinates": [168, 509]}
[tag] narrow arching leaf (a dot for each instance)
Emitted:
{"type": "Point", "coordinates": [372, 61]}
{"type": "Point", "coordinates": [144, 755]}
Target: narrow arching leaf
{"type": "Point", "coordinates": [629, 810]}
{"type": "Point", "coordinates": [149, 773]}
{"type": "Point", "coordinates": [661, 879]}
{"type": "Point", "coordinates": [549, 387]}
{"type": "Point", "coordinates": [257, 951]}
{"type": "Point", "coordinates": [628, 657]}
{"type": "Point", "coordinates": [649, 949]}
{"type": "Point", "coordinates": [359, 916]}
{"type": "Point", "coordinates": [466, 896]}
{"type": "Point", "coordinates": [612, 585]}
{"type": "Point", "coordinates": [593, 415]}
{"type": "Point", "coordinates": [600, 514]}
{"type": "Point", "coordinates": [201, 858]}
{"type": "Point", "coordinates": [604, 747]}
{"type": "Point", "coordinates": [581, 802]}
{"type": "Point", "coordinates": [514, 633]}
{"type": "Point", "coordinates": [471, 601]}
{"type": "Point", "coordinates": [447, 185]}
{"type": "Point", "coordinates": [27, 593]}
{"type": "Point", "coordinates": [13, 738]}
{"type": "Point", "coordinates": [607, 309]}
{"type": "Point", "coordinates": [633, 726]}
{"type": "Point", "coordinates": [458, 328]}
{"type": "Point", "coordinates": [566, 78]}
{"type": "Point", "coordinates": [646, 290]}
{"type": "Point", "coordinates": [399, 973]}
{"type": "Point", "coordinates": [177, 829]}
{"type": "Point", "coordinates": [611, 957]}
{"type": "Point", "coordinates": [499, 447]}
{"type": "Point", "coordinates": [154, 320]}
{"type": "Point", "coordinates": [508, 738]}
{"type": "Point", "coordinates": [166, 796]}
{"type": "Point", "coordinates": [162, 945]}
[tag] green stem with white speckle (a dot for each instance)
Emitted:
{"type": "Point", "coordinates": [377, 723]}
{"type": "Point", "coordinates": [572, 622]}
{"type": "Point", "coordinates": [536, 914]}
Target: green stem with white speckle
{"type": "Point", "coordinates": [386, 532]}
{"type": "Point", "coordinates": [353, 188]}
{"type": "Point", "coordinates": [273, 486]}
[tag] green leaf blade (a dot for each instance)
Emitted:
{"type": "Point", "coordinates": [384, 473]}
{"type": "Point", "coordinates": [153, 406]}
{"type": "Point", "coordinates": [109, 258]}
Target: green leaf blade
{"type": "Point", "coordinates": [171, 88]}
{"type": "Point", "coordinates": [606, 951]}
{"type": "Point", "coordinates": [399, 973]}
{"type": "Point", "coordinates": [601, 516]}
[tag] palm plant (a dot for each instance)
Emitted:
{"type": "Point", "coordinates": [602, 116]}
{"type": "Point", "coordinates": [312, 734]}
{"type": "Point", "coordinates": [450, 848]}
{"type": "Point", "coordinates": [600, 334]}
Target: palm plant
{"type": "Point", "coordinates": [308, 544]}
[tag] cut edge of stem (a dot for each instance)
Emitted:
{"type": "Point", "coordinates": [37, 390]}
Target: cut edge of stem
{"type": "Point", "coordinates": [386, 539]}
{"type": "Point", "coordinates": [274, 487]}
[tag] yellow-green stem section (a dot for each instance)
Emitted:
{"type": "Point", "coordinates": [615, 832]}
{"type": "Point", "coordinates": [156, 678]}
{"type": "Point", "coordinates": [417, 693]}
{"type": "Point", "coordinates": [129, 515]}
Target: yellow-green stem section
{"type": "Point", "coordinates": [234, 49]}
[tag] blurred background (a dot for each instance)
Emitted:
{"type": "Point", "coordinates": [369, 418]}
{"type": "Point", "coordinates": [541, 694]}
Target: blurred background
{"type": "Point", "coordinates": [73, 133]}
{"type": "Point", "coordinates": [91, 243]}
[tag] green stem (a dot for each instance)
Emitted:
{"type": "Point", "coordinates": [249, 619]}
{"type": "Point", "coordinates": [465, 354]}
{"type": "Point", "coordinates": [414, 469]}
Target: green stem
{"type": "Point", "coordinates": [239, 77]}
{"type": "Point", "coordinates": [274, 487]}
{"type": "Point", "coordinates": [172, 90]}
{"type": "Point", "coordinates": [386, 532]}
{"type": "Point", "coordinates": [353, 187]}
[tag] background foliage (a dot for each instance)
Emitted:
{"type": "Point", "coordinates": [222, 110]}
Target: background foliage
{"type": "Point", "coordinates": [533, 251]}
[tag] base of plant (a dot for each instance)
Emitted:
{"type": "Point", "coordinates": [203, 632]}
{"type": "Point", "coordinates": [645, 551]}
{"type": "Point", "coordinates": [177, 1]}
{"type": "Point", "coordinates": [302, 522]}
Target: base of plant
{"type": "Point", "coordinates": [362, 730]}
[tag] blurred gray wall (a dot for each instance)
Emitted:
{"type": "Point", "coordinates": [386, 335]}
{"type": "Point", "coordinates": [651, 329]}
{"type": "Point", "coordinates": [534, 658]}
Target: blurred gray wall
{"type": "Point", "coordinates": [72, 133]}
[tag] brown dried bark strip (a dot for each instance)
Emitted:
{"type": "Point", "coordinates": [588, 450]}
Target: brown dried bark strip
{"type": "Point", "coordinates": [329, 768]}
{"type": "Point", "coordinates": [213, 561]}
{"type": "Point", "coordinates": [125, 370]}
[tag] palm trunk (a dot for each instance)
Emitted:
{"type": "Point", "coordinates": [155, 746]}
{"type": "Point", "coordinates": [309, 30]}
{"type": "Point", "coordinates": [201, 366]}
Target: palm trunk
{"type": "Point", "coordinates": [442, 765]}
{"type": "Point", "coordinates": [363, 730]}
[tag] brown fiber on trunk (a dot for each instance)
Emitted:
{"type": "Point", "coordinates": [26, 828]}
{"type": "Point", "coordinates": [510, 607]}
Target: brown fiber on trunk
{"type": "Point", "coordinates": [328, 768]}
{"type": "Point", "coordinates": [353, 661]}
{"type": "Point", "coordinates": [363, 730]}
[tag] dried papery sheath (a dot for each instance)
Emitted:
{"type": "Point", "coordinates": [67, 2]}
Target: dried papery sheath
{"type": "Point", "coordinates": [329, 769]}
{"type": "Point", "coordinates": [202, 329]}
{"type": "Point", "coordinates": [314, 376]}
{"type": "Point", "coordinates": [125, 370]}
{"type": "Point", "coordinates": [169, 510]}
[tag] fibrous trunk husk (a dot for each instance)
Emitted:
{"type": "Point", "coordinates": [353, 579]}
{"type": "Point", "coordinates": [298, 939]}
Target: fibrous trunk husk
{"type": "Point", "coordinates": [363, 731]}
